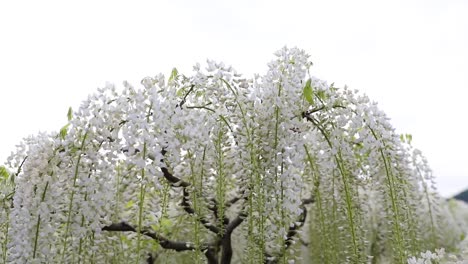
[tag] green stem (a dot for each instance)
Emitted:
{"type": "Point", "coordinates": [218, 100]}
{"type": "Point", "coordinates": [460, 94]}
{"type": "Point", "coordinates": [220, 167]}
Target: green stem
{"type": "Point", "coordinates": [279, 196]}
{"type": "Point", "coordinates": [220, 181]}
{"type": "Point", "coordinates": [196, 208]}
{"type": "Point", "coordinates": [140, 207]}
{"type": "Point", "coordinates": [393, 198]}
{"type": "Point", "coordinates": [252, 177]}
{"type": "Point", "coordinates": [348, 195]}
{"type": "Point", "coordinates": [142, 193]}
{"type": "Point", "coordinates": [318, 197]}
{"type": "Point", "coordinates": [38, 224]}
{"type": "Point", "coordinates": [349, 202]}
{"type": "Point", "coordinates": [6, 237]}
{"type": "Point", "coordinates": [72, 195]}
{"type": "Point", "coordinates": [431, 214]}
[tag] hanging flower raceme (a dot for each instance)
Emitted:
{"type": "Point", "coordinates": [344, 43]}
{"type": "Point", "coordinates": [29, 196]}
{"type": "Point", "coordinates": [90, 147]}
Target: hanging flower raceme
{"type": "Point", "coordinates": [214, 167]}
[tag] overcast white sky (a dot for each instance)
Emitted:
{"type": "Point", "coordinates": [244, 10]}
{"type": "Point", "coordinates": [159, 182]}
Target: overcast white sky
{"type": "Point", "coordinates": [410, 56]}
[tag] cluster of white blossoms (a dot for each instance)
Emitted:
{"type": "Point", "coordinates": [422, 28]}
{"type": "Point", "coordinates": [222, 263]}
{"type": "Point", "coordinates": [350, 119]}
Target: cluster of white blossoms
{"type": "Point", "coordinates": [438, 256]}
{"type": "Point", "coordinates": [213, 167]}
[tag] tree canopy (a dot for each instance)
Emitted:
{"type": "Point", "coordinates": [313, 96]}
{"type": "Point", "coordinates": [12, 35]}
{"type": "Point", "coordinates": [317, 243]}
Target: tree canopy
{"type": "Point", "coordinates": [214, 167]}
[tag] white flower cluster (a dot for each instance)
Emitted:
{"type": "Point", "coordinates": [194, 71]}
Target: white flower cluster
{"type": "Point", "coordinates": [181, 162]}
{"type": "Point", "coordinates": [439, 256]}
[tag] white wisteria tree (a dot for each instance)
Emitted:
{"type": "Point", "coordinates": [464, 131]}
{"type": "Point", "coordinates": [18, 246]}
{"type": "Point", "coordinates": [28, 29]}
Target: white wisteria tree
{"type": "Point", "coordinates": [216, 168]}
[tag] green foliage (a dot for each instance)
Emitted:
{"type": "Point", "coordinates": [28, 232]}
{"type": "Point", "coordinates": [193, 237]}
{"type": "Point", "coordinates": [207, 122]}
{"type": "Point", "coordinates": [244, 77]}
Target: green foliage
{"type": "Point", "coordinates": [70, 114]}
{"type": "Point", "coordinates": [63, 132]}
{"type": "Point", "coordinates": [174, 75]}
{"type": "Point", "coordinates": [309, 92]}
{"type": "Point", "coordinates": [4, 175]}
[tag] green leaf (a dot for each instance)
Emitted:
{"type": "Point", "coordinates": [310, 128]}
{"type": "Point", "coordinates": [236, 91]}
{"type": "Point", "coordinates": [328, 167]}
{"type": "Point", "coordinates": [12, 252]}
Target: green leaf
{"type": "Point", "coordinates": [129, 204]}
{"type": "Point", "coordinates": [409, 138]}
{"type": "Point", "coordinates": [322, 95]}
{"type": "Point", "coordinates": [181, 92]}
{"type": "Point", "coordinates": [199, 93]}
{"type": "Point", "coordinates": [64, 132]}
{"type": "Point", "coordinates": [164, 226]}
{"type": "Point", "coordinates": [5, 176]}
{"type": "Point", "coordinates": [174, 74]}
{"type": "Point", "coordinates": [4, 173]}
{"type": "Point", "coordinates": [309, 92]}
{"type": "Point", "coordinates": [155, 227]}
{"type": "Point", "coordinates": [70, 113]}
{"type": "Point", "coordinates": [166, 223]}
{"type": "Point", "coordinates": [406, 138]}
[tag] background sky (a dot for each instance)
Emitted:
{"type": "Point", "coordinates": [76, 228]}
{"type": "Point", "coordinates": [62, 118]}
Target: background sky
{"type": "Point", "coordinates": [409, 56]}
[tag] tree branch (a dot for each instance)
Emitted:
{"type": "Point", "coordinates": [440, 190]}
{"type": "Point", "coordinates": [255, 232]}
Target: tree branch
{"type": "Point", "coordinates": [164, 242]}
{"type": "Point", "coordinates": [236, 222]}
{"type": "Point", "coordinates": [187, 208]}
{"type": "Point", "coordinates": [151, 259]}
{"type": "Point", "coordinates": [214, 209]}
{"type": "Point", "coordinates": [298, 224]}
{"type": "Point", "coordinates": [226, 242]}
{"type": "Point", "coordinates": [185, 97]}
{"type": "Point", "coordinates": [177, 182]}
{"type": "Point", "coordinates": [292, 231]}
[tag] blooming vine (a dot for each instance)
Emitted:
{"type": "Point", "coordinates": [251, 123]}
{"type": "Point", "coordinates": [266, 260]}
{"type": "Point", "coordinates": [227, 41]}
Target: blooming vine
{"type": "Point", "coordinates": [213, 167]}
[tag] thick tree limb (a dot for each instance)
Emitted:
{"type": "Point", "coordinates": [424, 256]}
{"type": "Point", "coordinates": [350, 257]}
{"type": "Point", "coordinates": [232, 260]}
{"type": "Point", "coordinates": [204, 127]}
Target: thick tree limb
{"type": "Point", "coordinates": [164, 242]}
{"type": "Point", "coordinates": [292, 231]}
{"type": "Point", "coordinates": [151, 259]}
{"type": "Point", "coordinates": [233, 201]}
{"type": "Point", "coordinates": [186, 205]}
{"type": "Point", "coordinates": [122, 227]}
{"type": "Point", "coordinates": [214, 209]}
{"type": "Point", "coordinates": [177, 182]}
{"type": "Point", "coordinates": [211, 255]}
{"type": "Point", "coordinates": [235, 222]}
{"type": "Point", "coordinates": [226, 242]}
{"type": "Point", "coordinates": [295, 228]}
{"type": "Point", "coordinates": [298, 224]}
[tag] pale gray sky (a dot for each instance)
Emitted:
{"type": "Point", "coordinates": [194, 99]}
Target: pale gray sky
{"type": "Point", "coordinates": [410, 56]}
